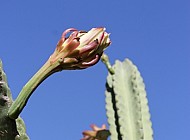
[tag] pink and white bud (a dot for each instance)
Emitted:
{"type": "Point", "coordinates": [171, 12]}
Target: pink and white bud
{"type": "Point", "coordinates": [81, 49]}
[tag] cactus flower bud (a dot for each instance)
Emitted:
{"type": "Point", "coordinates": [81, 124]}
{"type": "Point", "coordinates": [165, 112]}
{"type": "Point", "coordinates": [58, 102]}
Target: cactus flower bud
{"type": "Point", "coordinates": [78, 51]}
{"type": "Point", "coordinates": [81, 49]}
{"type": "Point", "coordinates": [96, 133]}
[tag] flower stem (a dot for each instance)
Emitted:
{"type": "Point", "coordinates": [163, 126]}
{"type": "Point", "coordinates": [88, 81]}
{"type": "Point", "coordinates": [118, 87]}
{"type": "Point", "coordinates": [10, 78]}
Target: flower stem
{"type": "Point", "coordinates": [105, 60]}
{"type": "Point", "coordinates": [45, 71]}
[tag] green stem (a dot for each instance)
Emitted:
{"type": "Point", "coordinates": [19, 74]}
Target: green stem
{"type": "Point", "coordinates": [46, 70]}
{"type": "Point", "coordinates": [105, 60]}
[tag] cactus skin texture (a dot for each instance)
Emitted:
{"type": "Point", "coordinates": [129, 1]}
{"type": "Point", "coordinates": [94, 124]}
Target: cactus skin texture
{"type": "Point", "coordinates": [126, 103]}
{"type": "Point", "coordinates": [10, 129]}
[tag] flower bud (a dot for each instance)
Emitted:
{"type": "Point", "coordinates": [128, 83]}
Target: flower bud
{"type": "Point", "coordinates": [96, 133]}
{"type": "Point", "coordinates": [78, 51]}
{"type": "Point", "coordinates": [81, 49]}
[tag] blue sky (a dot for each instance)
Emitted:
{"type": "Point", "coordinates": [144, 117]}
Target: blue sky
{"type": "Point", "coordinates": [154, 34]}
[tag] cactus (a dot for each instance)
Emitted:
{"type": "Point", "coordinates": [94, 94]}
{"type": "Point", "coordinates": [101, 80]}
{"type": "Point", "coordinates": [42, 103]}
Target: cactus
{"type": "Point", "coordinates": [10, 129]}
{"type": "Point", "coordinates": [126, 103]}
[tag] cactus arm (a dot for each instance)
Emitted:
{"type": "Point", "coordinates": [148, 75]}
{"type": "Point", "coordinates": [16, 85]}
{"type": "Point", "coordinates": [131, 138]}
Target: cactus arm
{"type": "Point", "coordinates": [10, 129]}
{"type": "Point", "coordinates": [126, 102]}
{"type": "Point", "coordinates": [7, 126]}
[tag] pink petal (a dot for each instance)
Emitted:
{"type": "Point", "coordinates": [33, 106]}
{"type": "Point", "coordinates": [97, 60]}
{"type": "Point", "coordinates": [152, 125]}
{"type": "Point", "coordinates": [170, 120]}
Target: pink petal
{"type": "Point", "coordinates": [67, 31]}
{"type": "Point", "coordinates": [71, 46]}
{"type": "Point", "coordinates": [89, 48]}
{"type": "Point", "coordinates": [90, 36]}
{"type": "Point", "coordinates": [61, 41]}
{"type": "Point", "coordinates": [71, 38]}
{"type": "Point", "coordinates": [92, 62]}
{"type": "Point", "coordinates": [100, 37]}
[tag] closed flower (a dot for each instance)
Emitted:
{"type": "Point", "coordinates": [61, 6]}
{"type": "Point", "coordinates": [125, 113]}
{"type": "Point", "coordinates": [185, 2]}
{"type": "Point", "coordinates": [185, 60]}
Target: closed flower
{"type": "Point", "coordinates": [81, 49]}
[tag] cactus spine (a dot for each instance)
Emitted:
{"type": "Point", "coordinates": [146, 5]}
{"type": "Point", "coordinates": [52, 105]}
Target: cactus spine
{"type": "Point", "coordinates": [126, 104]}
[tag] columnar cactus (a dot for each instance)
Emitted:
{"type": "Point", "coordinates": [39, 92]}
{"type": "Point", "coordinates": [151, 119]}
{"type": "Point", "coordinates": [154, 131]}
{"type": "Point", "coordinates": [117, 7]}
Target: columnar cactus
{"type": "Point", "coordinates": [7, 126]}
{"type": "Point", "coordinates": [10, 129]}
{"type": "Point", "coordinates": [126, 104]}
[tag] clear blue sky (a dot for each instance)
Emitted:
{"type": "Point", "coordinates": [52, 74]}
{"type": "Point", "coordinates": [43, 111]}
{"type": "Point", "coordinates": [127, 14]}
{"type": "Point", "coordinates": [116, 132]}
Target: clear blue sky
{"type": "Point", "coordinates": [154, 34]}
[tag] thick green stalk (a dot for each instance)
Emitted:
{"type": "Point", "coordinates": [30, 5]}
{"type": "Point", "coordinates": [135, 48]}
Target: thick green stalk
{"type": "Point", "coordinates": [46, 70]}
{"type": "Point", "coordinates": [105, 60]}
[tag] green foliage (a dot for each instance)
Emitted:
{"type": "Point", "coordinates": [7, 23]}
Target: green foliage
{"type": "Point", "coordinates": [126, 104]}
